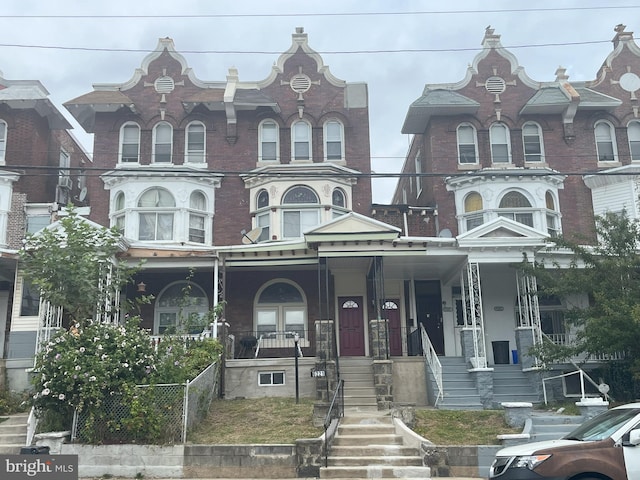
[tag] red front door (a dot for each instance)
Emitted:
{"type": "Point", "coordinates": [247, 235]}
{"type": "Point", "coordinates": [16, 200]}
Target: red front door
{"type": "Point", "coordinates": [351, 326]}
{"type": "Point", "coordinates": [392, 313]}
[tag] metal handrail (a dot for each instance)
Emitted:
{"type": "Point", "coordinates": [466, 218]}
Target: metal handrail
{"type": "Point", "coordinates": [339, 393]}
{"type": "Point", "coordinates": [431, 357]}
{"type": "Point", "coordinates": [582, 374]}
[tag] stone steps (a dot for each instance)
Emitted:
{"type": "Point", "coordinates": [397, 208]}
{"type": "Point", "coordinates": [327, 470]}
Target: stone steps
{"type": "Point", "coordinates": [13, 433]}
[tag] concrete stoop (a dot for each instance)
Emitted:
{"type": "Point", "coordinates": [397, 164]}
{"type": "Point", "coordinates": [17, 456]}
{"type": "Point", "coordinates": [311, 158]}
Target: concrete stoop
{"type": "Point", "coordinates": [13, 433]}
{"type": "Point", "coordinates": [366, 446]}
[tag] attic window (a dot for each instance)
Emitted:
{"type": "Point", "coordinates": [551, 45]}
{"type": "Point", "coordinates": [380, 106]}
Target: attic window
{"type": "Point", "coordinates": [300, 83]}
{"type": "Point", "coordinates": [495, 85]}
{"type": "Point", "coordinates": [164, 84]}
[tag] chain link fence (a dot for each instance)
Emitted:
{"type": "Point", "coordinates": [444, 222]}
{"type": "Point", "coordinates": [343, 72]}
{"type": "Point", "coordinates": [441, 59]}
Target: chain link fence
{"type": "Point", "coordinates": [151, 414]}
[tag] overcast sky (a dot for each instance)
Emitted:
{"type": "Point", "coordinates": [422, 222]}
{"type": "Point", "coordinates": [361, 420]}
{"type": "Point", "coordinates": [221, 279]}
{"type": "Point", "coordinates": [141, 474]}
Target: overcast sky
{"type": "Point", "coordinates": [396, 47]}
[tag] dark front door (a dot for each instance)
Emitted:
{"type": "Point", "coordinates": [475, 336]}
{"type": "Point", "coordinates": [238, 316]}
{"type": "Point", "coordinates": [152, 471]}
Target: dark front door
{"type": "Point", "coordinates": [429, 310]}
{"type": "Point", "coordinates": [351, 326]}
{"type": "Point", "coordinates": [392, 314]}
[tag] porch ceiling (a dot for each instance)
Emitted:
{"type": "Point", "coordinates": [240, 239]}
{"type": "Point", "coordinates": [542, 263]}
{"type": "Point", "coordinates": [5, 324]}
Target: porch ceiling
{"type": "Point", "coordinates": [423, 267]}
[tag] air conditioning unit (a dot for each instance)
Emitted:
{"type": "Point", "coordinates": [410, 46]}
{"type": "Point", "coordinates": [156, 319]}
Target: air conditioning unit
{"type": "Point", "coordinates": [65, 182]}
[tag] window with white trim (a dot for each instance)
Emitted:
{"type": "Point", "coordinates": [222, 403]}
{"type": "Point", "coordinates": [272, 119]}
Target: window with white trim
{"type": "Point", "coordinates": [3, 141]}
{"type": "Point", "coordinates": [196, 150]}
{"type": "Point", "coordinates": [339, 202]}
{"type": "Point", "coordinates": [333, 140]}
{"type": "Point", "coordinates": [162, 142]}
{"type": "Point", "coordinates": [301, 141]}
{"type": "Point", "coordinates": [633, 132]}
{"type": "Point", "coordinates": [280, 312]}
{"type": "Point", "coordinates": [605, 142]}
{"type": "Point", "coordinates": [119, 214]}
{"type": "Point", "coordinates": [300, 211]}
{"type": "Point", "coordinates": [129, 143]}
{"type": "Point", "coordinates": [467, 144]}
{"type": "Point", "coordinates": [197, 217]}
{"type": "Point", "coordinates": [532, 142]}
{"type": "Point", "coordinates": [156, 212]}
{"type": "Point", "coordinates": [269, 141]}
{"type": "Point", "coordinates": [181, 307]}
{"type": "Point", "coordinates": [418, 166]}
{"type": "Point", "coordinates": [270, 378]}
{"type": "Point", "coordinates": [473, 210]}
{"type": "Point", "coordinates": [516, 206]}
{"type": "Point", "coordinates": [552, 216]}
{"type": "Point", "coordinates": [500, 144]}
{"type": "Point", "coordinates": [263, 216]}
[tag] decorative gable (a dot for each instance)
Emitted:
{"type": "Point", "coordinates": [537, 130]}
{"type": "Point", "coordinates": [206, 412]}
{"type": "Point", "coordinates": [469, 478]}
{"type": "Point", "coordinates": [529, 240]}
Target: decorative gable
{"type": "Point", "coordinates": [352, 226]}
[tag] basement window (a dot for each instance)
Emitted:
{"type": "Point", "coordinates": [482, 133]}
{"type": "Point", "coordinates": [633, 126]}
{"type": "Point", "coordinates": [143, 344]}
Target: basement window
{"type": "Point", "coordinates": [270, 378]}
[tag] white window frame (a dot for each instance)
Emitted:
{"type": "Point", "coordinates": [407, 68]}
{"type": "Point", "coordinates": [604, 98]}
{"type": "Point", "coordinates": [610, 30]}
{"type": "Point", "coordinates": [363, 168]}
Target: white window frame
{"type": "Point", "coordinates": [308, 213]}
{"type": "Point", "coordinates": [531, 157]}
{"type": "Point", "coordinates": [280, 337]}
{"type": "Point", "coordinates": [460, 144]}
{"type": "Point", "coordinates": [605, 134]}
{"type": "Point", "coordinates": [633, 134]}
{"type": "Point", "coordinates": [197, 215]}
{"type": "Point", "coordinates": [64, 172]}
{"type": "Point", "coordinates": [498, 158]}
{"type": "Point", "coordinates": [185, 309]}
{"type": "Point", "coordinates": [157, 211]}
{"type": "Point", "coordinates": [307, 139]}
{"type": "Point", "coordinates": [3, 141]}
{"type": "Point", "coordinates": [263, 216]}
{"type": "Point", "coordinates": [517, 214]}
{"type": "Point", "coordinates": [271, 375]}
{"type": "Point", "coordinates": [157, 144]}
{"type": "Point", "coordinates": [192, 155]}
{"type": "Point", "coordinates": [124, 141]}
{"type": "Point", "coordinates": [263, 140]}
{"type": "Point", "coordinates": [418, 167]}
{"type": "Point", "coordinates": [119, 212]}
{"type": "Point", "coordinates": [473, 218]}
{"type": "Point", "coordinates": [331, 138]}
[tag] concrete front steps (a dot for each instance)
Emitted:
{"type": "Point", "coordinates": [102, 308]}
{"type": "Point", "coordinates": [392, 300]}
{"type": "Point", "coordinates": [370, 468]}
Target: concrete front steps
{"type": "Point", "coordinates": [552, 426]}
{"type": "Point", "coordinates": [13, 433]}
{"type": "Point", "coordinates": [367, 446]}
{"type": "Point", "coordinates": [460, 392]}
{"type": "Point", "coordinates": [359, 389]}
{"type": "Point", "coordinates": [510, 384]}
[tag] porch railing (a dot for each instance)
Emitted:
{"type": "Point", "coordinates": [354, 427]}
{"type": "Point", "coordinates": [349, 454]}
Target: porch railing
{"type": "Point", "coordinates": [567, 339]}
{"type": "Point", "coordinates": [431, 357]}
{"type": "Point", "coordinates": [583, 376]}
{"type": "Point", "coordinates": [251, 343]}
{"type": "Point", "coordinates": [336, 410]}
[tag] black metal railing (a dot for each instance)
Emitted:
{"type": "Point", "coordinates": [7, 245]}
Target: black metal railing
{"type": "Point", "coordinates": [249, 344]}
{"type": "Point", "coordinates": [336, 410]}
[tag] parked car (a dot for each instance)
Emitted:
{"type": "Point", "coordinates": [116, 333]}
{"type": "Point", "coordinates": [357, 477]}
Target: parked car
{"type": "Point", "coordinates": [606, 447]}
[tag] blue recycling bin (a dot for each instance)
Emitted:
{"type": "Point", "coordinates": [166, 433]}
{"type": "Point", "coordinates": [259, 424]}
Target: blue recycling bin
{"type": "Point", "coordinates": [514, 356]}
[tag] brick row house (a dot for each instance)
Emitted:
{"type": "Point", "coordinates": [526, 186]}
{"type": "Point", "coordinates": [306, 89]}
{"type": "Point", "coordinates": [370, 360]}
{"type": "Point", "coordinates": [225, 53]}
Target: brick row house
{"type": "Point", "coordinates": [42, 169]}
{"type": "Point", "coordinates": [258, 194]}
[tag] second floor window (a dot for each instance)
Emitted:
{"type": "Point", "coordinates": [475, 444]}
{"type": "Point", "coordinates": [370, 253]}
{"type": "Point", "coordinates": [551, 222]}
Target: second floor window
{"type": "Point", "coordinates": [156, 215]}
{"type": "Point", "coordinates": [500, 145]}
{"type": "Point", "coordinates": [605, 142]}
{"type": "Point", "coordinates": [195, 143]}
{"type": "Point", "coordinates": [300, 211]}
{"type": "Point", "coordinates": [301, 141]}
{"type": "Point", "coordinates": [130, 143]}
{"type": "Point", "coordinates": [515, 206]}
{"type": "Point", "coordinates": [532, 143]}
{"type": "Point", "coordinates": [473, 207]}
{"type": "Point", "coordinates": [263, 217]}
{"type": "Point", "coordinates": [162, 143]}
{"type": "Point", "coordinates": [197, 217]}
{"type": "Point", "coordinates": [467, 145]}
{"type": "Point", "coordinates": [119, 213]}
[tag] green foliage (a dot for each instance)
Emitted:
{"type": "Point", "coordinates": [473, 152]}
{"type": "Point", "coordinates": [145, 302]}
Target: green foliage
{"type": "Point", "coordinates": [13, 402]}
{"type": "Point", "coordinates": [70, 265]}
{"type": "Point", "coordinates": [182, 360]}
{"type": "Point", "coordinates": [609, 274]}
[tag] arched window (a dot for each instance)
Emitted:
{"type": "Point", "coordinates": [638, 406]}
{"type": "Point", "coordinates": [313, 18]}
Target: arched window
{"type": "Point", "coordinates": [500, 145]}
{"type": "Point", "coordinates": [467, 144]}
{"type": "Point", "coordinates": [473, 209]}
{"type": "Point", "coordinates": [339, 202]}
{"type": "Point", "coordinates": [280, 307]}
{"type": "Point", "coordinates": [196, 152]}
{"type": "Point", "coordinates": [301, 141]}
{"type": "Point", "coordinates": [162, 142]}
{"type": "Point", "coordinates": [181, 308]}
{"type": "Point", "coordinates": [552, 215]}
{"type": "Point", "coordinates": [300, 211]}
{"type": "Point", "coordinates": [156, 215]}
{"type": "Point", "coordinates": [605, 142]}
{"type": "Point", "coordinates": [633, 132]}
{"type": "Point", "coordinates": [119, 213]}
{"type": "Point", "coordinates": [197, 217]}
{"type": "Point", "coordinates": [130, 143]}
{"type": "Point", "coordinates": [512, 205]}
{"type": "Point", "coordinates": [3, 141]}
{"type": "Point", "coordinates": [333, 140]}
{"type": "Point", "coordinates": [268, 145]}
{"type": "Point", "coordinates": [532, 142]}
{"type": "Point", "coordinates": [263, 216]}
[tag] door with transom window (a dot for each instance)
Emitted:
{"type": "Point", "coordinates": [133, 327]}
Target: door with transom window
{"type": "Point", "coordinates": [351, 325]}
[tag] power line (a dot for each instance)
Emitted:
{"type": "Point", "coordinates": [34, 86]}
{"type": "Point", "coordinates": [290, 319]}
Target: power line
{"type": "Point", "coordinates": [324, 14]}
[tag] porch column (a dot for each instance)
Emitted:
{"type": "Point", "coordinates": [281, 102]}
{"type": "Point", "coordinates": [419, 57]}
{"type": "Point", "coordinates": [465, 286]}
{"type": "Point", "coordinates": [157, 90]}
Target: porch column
{"type": "Point", "coordinates": [382, 366]}
{"type": "Point", "coordinates": [525, 339]}
{"type": "Point", "coordinates": [325, 370]}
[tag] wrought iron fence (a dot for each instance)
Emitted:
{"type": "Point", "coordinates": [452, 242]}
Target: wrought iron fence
{"type": "Point", "coordinates": [154, 414]}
